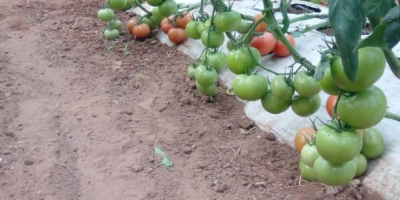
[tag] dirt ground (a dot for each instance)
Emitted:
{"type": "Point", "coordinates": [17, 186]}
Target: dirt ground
{"type": "Point", "coordinates": [80, 118]}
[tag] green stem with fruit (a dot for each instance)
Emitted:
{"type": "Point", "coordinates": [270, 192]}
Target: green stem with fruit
{"type": "Point", "coordinates": [208, 37]}
{"type": "Point", "coordinates": [138, 4]}
{"type": "Point", "coordinates": [393, 116]}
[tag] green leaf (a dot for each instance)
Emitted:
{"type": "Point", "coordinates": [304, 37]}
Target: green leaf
{"type": "Point", "coordinates": [324, 63]}
{"type": "Point", "coordinates": [379, 8]}
{"type": "Point", "coordinates": [392, 32]}
{"type": "Point", "coordinates": [286, 21]}
{"type": "Point", "coordinates": [376, 39]}
{"type": "Point", "coordinates": [347, 18]}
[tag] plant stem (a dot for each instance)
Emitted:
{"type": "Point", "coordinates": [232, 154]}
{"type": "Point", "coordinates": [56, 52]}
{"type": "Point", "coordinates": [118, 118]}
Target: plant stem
{"type": "Point", "coordinates": [270, 19]}
{"type": "Point", "coordinates": [393, 61]}
{"type": "Point", "coordinates": [304, 17]}
{"type": "Point", "coordinates": [208, 37]}
{"type": "Point", "coordinates": [251, 31]}
{"type": "Point", "coordinates": [138, 4]}
{"type": "Point", "coordinates": [374, 22]}
{"type": "Point", "coordinates": [393, 116]}
{"type": "Point", "coordinates": [315, 26]}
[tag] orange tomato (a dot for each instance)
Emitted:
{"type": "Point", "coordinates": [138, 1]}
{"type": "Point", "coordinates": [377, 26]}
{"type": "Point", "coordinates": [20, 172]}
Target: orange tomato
{"type": "Point", "coordinates": [183, 21]}
{"type": "Point", "coordinates": [166, 25]}
{"type": "Point", "coordinates": [262, 26]}
{"type": "Point", "coordinates": [301, 135]}
{"type": "Point", "coordinates": [141, 31]}
{"type": "Point", "coordinates": [281, 50]}
{"type": "Point", "coordinates": [131, 23]}
{"type": "Point", "coordinates": [177, 35]}
{"type": "Point", "coordinates": [265, 43]}
{"type": "Point", "coordinates": [330, 104]}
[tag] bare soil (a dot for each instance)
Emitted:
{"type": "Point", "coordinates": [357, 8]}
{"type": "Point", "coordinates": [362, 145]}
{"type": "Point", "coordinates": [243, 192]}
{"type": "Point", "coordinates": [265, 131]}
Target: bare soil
{"type": "Point", "coordinates": [80, 118]}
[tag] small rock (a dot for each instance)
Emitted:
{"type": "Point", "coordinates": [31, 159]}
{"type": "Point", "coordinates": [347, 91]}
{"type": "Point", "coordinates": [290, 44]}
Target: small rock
{"type": "Point", "coordinates": [332, 190]}
{"type": "Point", "coordinates": [355, 183]}
{"type": "Point", "coordinates": [75, 150]}
{"type": "Point", "coordinates": [94, 115]}
{"type": "Point", "coordinates": [28, 162]}
{"type": "Point", "coordinates": [319, 195]}
{"type": "Point", "coordinates": [214, 115]}
{"type": "Point", "coordinates": [187, 150]}
{"type": "Point", "coordinates": [9, 134]}
{"type": "Point", "coordinates": [186, 101]}
{"type": "Point", "coordinates": [137, 168]}
{"type": "Point", "coordinates": [270, 136]}
{"type": "Point", "coordinates": [246, 124]}
{"type": "Point", "coordinates": [152, 194]}
{"type": "Point", "coordinates": [6, 95]}
{"type": "Point", "coordinates": [229, 127]}
{"type": "Point", "coordinates": [150, 170]}
{"type": "Point", "coordinates": [128, 112]}
{"type": "Point", "coordinates": [202, 164]}
{"type": "Point", "coordinates": [8, 84]}
{"type": "Point", "coordinates": [220, 186]}
{"type": "Point", "coordinates": [205, 98]}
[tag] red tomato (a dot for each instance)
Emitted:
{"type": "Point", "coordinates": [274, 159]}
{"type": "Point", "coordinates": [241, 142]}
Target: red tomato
{"type": "Point", "coordinates": [301, 135]}
{"type": "Point", "coordinates": [281, 50]}
{"type": "Point", "coordinates": [330, 104]}
{"type": "Point", "coordinates": [131, 23]}
{"type": "Point", "coordinates": [177, 35]}
{"type": "Point", "coordinates": [183, 21]}
{"type": "Point", "coordinates": [141, 31]}
{"type": "Point", "coordinates": [262, 26]}
{"type": "Point", "coordinates": [265, 43]}
{"type": "Point", "coordinates": [166, 25]}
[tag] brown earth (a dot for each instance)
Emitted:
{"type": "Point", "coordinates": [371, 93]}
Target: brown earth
{"type": "Point", "coordinates": [80, 117]}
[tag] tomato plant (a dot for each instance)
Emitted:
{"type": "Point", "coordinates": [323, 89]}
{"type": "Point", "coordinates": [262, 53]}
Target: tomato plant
{"type": "Point", "coordinates": [250, 88]}
{"type": "Point", "coordinates": [327, 84]}
{"type": "Point", "coordinates": [302, 137]}
{"type": "Point", "coordinates": [150, 22]}
{"type": "Point", "coordinates": [168, 8]}
{"type": "Point", "coordinates": [105, 14]}
{"type": "Point", "coordinates": [304, 106]}
{"type": "Point", "coordinates": [243, 27]}
{"type": "Point", "coordinates": [281, 50]}
{"type": "Point", "coordinates": [203, 26]}
{"type": "Point", "coordinates": [212, 39]}
{"type": "Point", "coordinates": [280, 88]}
{"type": "Point", "coordinates": [115, 24]}
{"type": "Point", "coordinates": [240, 61]}
{"type": "Point", "coordinates": [363, 109]}
{"type": "Point", "coordinates": [182, 22]}
{"type": "Point", "coordinates": [166, 25]}
{"type": "Point", "coordinates": [111, 33]}
{"type": "Point", "coordinates": [210, 90]}
{"type": "Point", "coordinates": [265, 43]}
{"type": "Point", "coordinates": [275, 105]}
{"type": "Point", "coordinates": [217, 60]}
{"type": "Point", "coordinates": [191, 30]}
{"type": "Point", "coordinates": [361, 165]}
{"type": "Point", "coordinates": [177, 35]}
{"type": "Point", "coordinates": [373, 143]}
{"type": "Point", "coordinates": [141, 31]}
{"type": "Point", "coordinates": [334, 174]}
{"type": "Point", "coordinates": [227, 21]}
{"type": "Point", "coordinates": [191, 72]}
{"type": "Point", "coordinates": [338, 146]}
{"type": "Point", "coordinates": [156, 16]}
{"type": "Point", "coordinates": [309, 154]}
{"type": "Point", "coordinates": [116, 4]}
{"type": "Point", "coordinates": [308, 173]}
{"type": "Point", "coordinates": [206, 77]}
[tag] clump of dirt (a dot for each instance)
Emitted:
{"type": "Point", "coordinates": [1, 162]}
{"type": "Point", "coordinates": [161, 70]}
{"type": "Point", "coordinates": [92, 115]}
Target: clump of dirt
{"type": "Point", "coordinates": [80, 118]}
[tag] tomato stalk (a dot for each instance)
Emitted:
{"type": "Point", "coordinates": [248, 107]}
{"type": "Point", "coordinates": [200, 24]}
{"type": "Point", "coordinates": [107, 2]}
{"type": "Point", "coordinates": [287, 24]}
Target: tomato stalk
{"type": "Point", "coordinates": [271, 21]}
{"type": "Point", "coordinates": [304, 17]}
{"type": "Point", "coordinates": [393, 116]}
{"type": "Point", "coordinates": [208, 37]}
{"type": "Point", "coordinates": [246, 37]}
{"type": "Point", "coordinates": [141, 7]}
{"type": "Point", "coordinates": [315, 26]}
{"type": "Point", "coordinates": [194, 6]}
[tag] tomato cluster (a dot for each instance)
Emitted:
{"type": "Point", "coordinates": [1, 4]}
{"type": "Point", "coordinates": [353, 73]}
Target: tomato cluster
{"type": "Point", "coordinates": [334, 156]}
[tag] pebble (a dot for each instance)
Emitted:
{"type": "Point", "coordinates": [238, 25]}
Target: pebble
{"type": "Point", "coordinates": [227, 165]}
{"type": "Point", "coordinates": [355, 183]}
{"type": "Point", "coordinates": [28, 162]}
{"type": "Point", "coordinates": [187, 150]}
{"type": "Point", "coordinates": [6, 95]}
{"type": "Point", "coordinates": [246, 124]}
{"type": "Point", "coordinates": [137, 168]}
{"type": "Point", "coordinates": [220, 186]}
{"type": "Point", "coordinates": [9, 134]}
{"type": "Point", "coordinates": [128, 112]}
{"type": "Point", "coordinates": [270, 136]}
{"type": "Point", "coordinates": [202, 164]}
{"type": "Point", "coordinates": [186, 101]}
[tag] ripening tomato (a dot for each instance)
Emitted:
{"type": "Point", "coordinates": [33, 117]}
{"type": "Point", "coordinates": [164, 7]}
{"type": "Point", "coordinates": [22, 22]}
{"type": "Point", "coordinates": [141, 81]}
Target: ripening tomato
{"type": "Point", "coordinates": [154, 2]}
{"type": "Point", "coordinates": [327, 84]}
{"type": "Point", "coordinates": [371, 66]}
{"type": "Point", "coordinates": [210, 90]}
{"type": "Point", "coordinates": [281, 50]}
{"type": "Point", "coordinates": [275, 105]}
{"type": "Point", "coordinates": [250, 88]}
{"type": "Point", "coordinates": [227, 21]}
{"type": "Point", "coordinates": [166, 25]}
{"type": "Point", "coordinates": [302, 136]}
{"type": "Point", "coordinates": [191, 72]}
{"type": "Point", "coordinates": [309, 154]}
{"type": "Point", "coordinates": [373, 143]}
{"type": "Point", "coordinates": [334, 174]}
{"type": "Point", "coordinates": [206, 77]}
{"type": "Point", "coordinates": [177, 35]}
{"type": "Point", "coordinates": [262, 26]}
{"type": "Point", "coordinates": [330, 104]}
{"type": "Point", "coordinates": [111, 34]}
{"type": "Point", "coordinates": [105, 14]}
{"type": "Point", "coordinates": [141, 31]}
{"type": "Point", "coordinates": [305, 84]}
{"type": "Point", "coordinates": [240, 61]}
{"type": "Point", "coordinates": [191, 30]}
{"type": "Point", "coordinates": [182, 22]}
{"type": "Point", "coordinates": [265, 43]}
{"type": "Point", "coordinates": [156, 16]}
{"type": "Point", "coordinates": [212, 39]}
{"type": "Point", "coordinates": [116, 4]}
{"type": "Point", "coordinates": [149, 21]}
{"type": "Point", "coordinates": [167, 8]}
{"type": "Point", "coordinates": [304, 106]}
{"type": "Point", "coordinates": [361, 165]}
{"type": "Point", "coordinates": [307, 172]}
{"type": "Point", "coordinates": [280, 88]}
{"type": "Point", "coordinates": [243, 27]}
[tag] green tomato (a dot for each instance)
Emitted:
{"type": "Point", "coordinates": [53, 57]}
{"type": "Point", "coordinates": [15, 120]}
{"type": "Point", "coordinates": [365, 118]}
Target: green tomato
{"type": "Point", "coordinates": [111, 34]}
{"type": "Point", "coordinates": [230, 45]}
{"type": "Point", "coordinates": [364, 109]}
{"type": "Point", "coordinates": [217, 60]}
{"type": "Point", "coordinates": [156, 16]}
{"type": "Point", "coordinates": [240, 61]}
{"type": "Point", "coordinates": [211, 90]}
{"type": "Point", "coordinates": [243, 27]}
{"type": "Point", "coordinates": [308, 173]}
{"type": "Point", "coordinates": [309, 154]}
{"type": "Point", "coordinates": [203, 26]}
{"type": "Point", "coordinates": [206, 77]}
{"type": "Point", "coordinates": [250, 88]}
{"type": "Point", "coordinates": [304, 106]}
{"type": "Point", "coordinates": [361, 165]}
{"type": "Point", "coordinates": [305, 85]}
{"type": "Point", "coordinates": [371, 66]}
{"type": "Point", "coordinates": [373, 143]}
{"type": "Point", "coordinates": [116, 4]}
{"type": "Point", "coordinates": [191, 71]}
{"type": "Point", "coordinates": [154, 2]}
{"type": "Point", "coordinates": [149, 21]}
{"type": "Point", "coordinates": [115, 24]}
{"type": "Point", "coordinates": [338, 146]}
{"type": "Point", "coordinates": [168, 8]}
{"type": "Point", "coordinates": [227, 21]}
{"type": "Point", "coordinates": [274, 105]}
{"type": "Point", "coordinates": [280, 88]}
{"type": "Point", "coordinates": [327, 84]}
{"type": "Point", "coordinates": [128, 5]}
{"type": "Point", "coordinates": [105, 14]}
{"type": "Point", "coordinates": [334, 174]}
{"type": "Point", "coordinates": [192, 30]}
{"type": "Point", "coordinates": [216, 39]}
